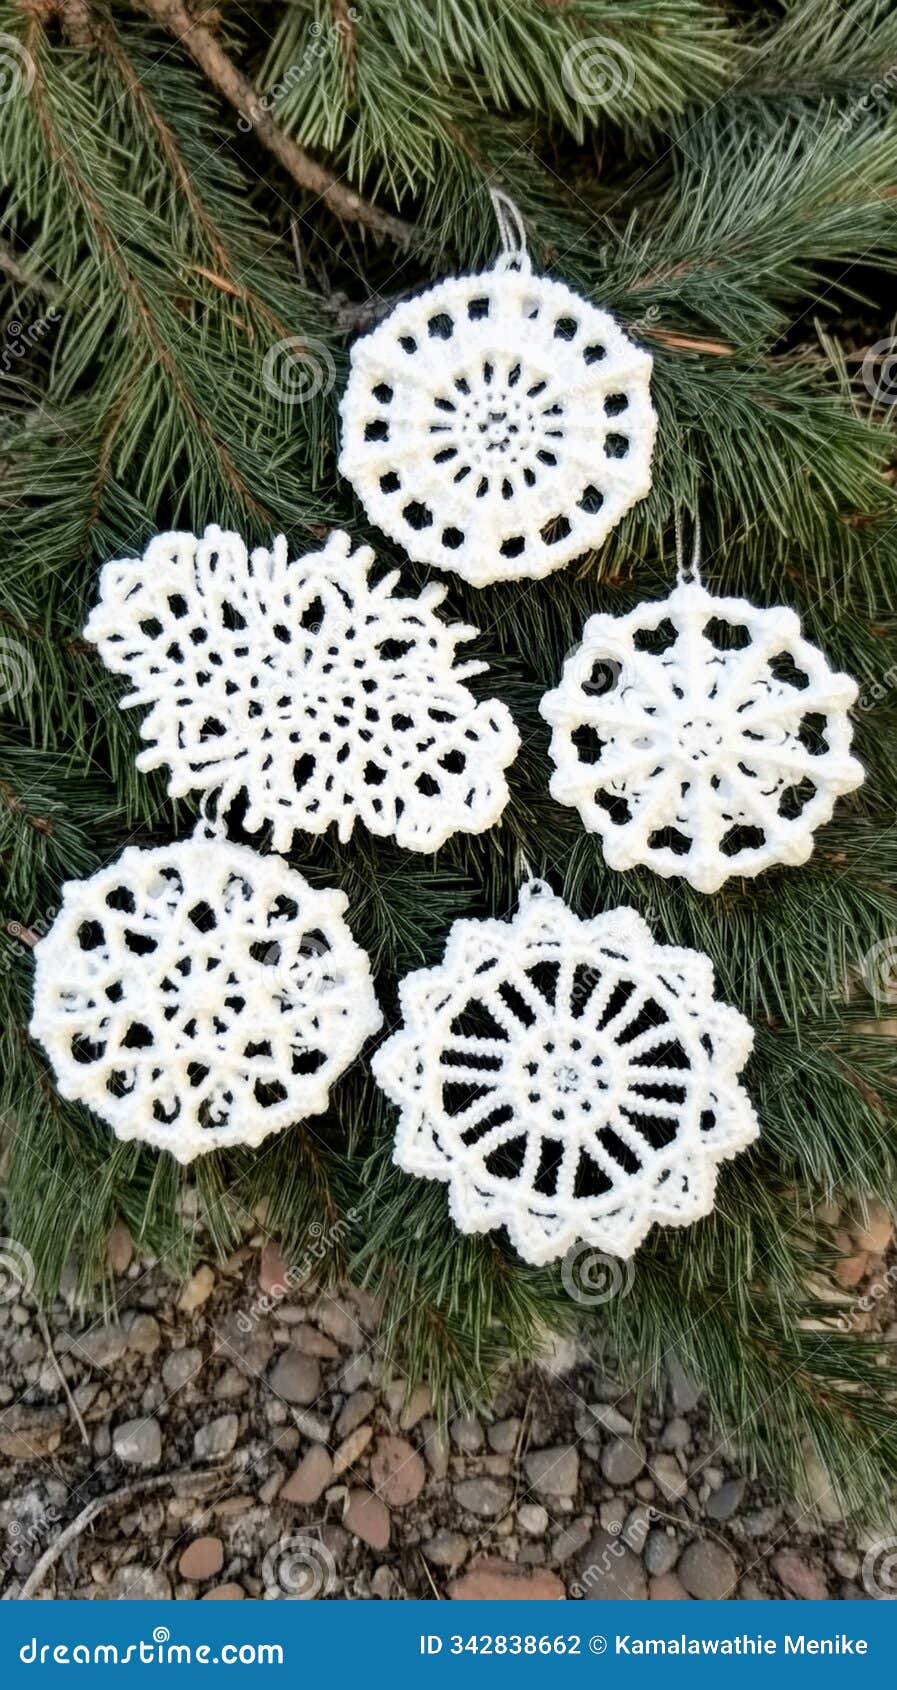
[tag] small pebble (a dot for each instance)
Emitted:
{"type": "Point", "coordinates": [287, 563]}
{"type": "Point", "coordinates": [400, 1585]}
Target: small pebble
{"type": "Point", "coordinates": [368, 1517]}
{"type": "Point", "coordinates": [310, 1479]}
{"type": "Point", "coordinates": [707, 1571]}
{"type": "Point", "coordinates": [669, 1476]}
{"type": "Point", "coordinates": [352, 1449]}
{"type": "Point", "coordinates": [447, 1549]}
{"type": "Point", "coordinates": [661, 1552]}
{"type": "Point", "coordinates": [197, 1290]}
{"type": "Point", "coordinates": [179, 1368]}
{"type": "Point", "coordinates": [218, 1438]}
{"type": "Point", "coordinates": [144, 1334]}
{"type": "Point", "coordinates": [484, 1497]}
{"type": "Point", "coordinates": [398, 1474]}
{"type": "Point", "coordinates": [554, 1472]}
{"type": "Point", "coordinates": [295, 1377]}
{"type": "Point", "coordinates": [726, 1501]}
{"type": "Point", "coordinates": [138, 1443]}
{"type": "Point", "coordinates": [202, 1559]}
{"type": "Point", "coordinates": [503, 1436]}
{"type": "Point", "coordinates": [355, 1409]}
{"type": "Point", "coordinates": [622, 1461]}
{"type": "Point", "coordinates": [533, 1518]}
{"type": "Point", "coordinates": [467, 1434]}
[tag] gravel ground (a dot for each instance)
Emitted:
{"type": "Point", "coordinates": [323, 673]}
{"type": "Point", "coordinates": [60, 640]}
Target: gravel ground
{"type": "Point", "coordinates": [226, 1440]}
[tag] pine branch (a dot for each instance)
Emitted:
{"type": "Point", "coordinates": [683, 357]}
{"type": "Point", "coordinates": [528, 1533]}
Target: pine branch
{"type": "Point", "coordinates": [240, 93]}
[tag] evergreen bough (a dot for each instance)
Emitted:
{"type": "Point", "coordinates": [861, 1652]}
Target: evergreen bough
{"type": "Point", "coordinates": [181, 195]}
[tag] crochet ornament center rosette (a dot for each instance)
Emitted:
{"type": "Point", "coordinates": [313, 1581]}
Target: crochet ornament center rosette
{"type": "Point", "coordinates": [568, 1079]}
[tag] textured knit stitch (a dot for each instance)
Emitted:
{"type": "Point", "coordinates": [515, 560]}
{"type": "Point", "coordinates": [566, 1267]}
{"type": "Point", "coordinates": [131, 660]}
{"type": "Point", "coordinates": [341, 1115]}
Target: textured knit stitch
{"type": "Point", "coordinates": [498, 425]}
{"type": "Point", "coordinates": [568, 1079]}
{"type": "Point", "coordinates": [320, 695]}
{"type": "Point", "coordinates": [701, 736]}
{"type": "Point", "coordinates": [199, 995]}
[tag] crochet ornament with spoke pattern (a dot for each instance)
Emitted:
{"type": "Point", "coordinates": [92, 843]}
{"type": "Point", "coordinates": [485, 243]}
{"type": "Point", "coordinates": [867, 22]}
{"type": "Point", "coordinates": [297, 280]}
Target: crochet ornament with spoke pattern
{"type": "Point", "coordinates": [498, 425]}
{"type": "Point", "coordinates": [199, 996]}
{"type": "Point", "coordinates": [569, 1080]}
{"type": "Point", "coordinates": [701, 736]}
{"type": "Point", "coordinates": [303, 684]}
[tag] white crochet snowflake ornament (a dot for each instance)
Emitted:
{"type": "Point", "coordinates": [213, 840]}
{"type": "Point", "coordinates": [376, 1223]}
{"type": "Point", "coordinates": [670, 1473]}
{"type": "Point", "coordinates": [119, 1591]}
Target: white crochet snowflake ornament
{"type": "Point", "coordinates": [322, 696]}
{"type": "Point", "coordinates": [198, 995]}
{"type": "Point", "coordinates": [498, 425]}
{"type": "Point", "coordinates": [701, 736]}
{"type": "Point", "coordinates": [568, 1079]}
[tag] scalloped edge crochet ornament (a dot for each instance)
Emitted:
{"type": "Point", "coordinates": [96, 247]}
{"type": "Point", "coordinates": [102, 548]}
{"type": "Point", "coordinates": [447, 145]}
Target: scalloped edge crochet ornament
{"type": "Point", "coordinates": [322, 696]}
{"type": "Point", "coordinates": [498, 424]}
{"type": "Point", "coordinates": [568, 1079]}
{"type": "Point", "coordinates": [701, 736]}
{"type": "Point", "coordinates": [198, 995]}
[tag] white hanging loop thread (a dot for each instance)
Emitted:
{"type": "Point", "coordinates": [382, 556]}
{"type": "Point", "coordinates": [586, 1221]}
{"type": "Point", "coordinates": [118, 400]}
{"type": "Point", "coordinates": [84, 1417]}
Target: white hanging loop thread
{"type": "Point", "coordinates": [693, 572]}
{"type": "Point", "coordinates": [512, 232]}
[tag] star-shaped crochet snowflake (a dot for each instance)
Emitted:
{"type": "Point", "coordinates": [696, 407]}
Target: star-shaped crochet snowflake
{"type": "Point", "coordinates": [701, 736]}
{"type": "Point", "coordinates": [317, 693]}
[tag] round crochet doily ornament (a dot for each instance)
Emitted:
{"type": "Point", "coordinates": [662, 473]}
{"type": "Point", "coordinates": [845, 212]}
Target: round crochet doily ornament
{"type": "Point", "coordinates": [198, 995]}
{"type": "Point", "coordinates": [570, 1080]}
{"type": "Point", "coordinates": [319, 694]}
{"type": "Point", "coordinates": [701, 736]}
{"type": "Point", "coordinates": [498, 425]}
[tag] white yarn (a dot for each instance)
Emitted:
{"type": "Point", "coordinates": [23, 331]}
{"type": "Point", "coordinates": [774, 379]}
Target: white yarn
{"type": "Point", "coordinates": [568, 1079]}
{"type": "Point", "coordinates": [701, 736]}
{"type": "Point", "coordinates": [320, 695]}
{"type": "Point", "coordinates": [498, 425]}
{"type": "Point", "coordinates": [199, 995]}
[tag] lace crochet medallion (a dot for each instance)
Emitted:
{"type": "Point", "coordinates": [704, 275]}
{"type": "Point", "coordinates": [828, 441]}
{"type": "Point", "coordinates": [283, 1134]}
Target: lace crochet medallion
{"type": "Point", "coordinates": [498, 425]}
{"type": "Point", "coordinates": [568, 1079]}
{"type": "Point", "coordinates": [701, 736]}
{"type": "Point", "coordinates": [320, 695]}
{"type": "Point", "coordinates": [198, 995]}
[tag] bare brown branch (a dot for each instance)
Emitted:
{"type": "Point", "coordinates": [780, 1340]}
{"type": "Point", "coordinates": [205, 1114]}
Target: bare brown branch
{"type": "Point", "coordinates": [236, 88]}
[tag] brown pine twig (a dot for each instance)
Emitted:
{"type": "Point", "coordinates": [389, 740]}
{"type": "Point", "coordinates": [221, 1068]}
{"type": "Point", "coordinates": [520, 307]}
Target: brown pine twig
{"type": "Point", "coordinates": [237, 89]}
